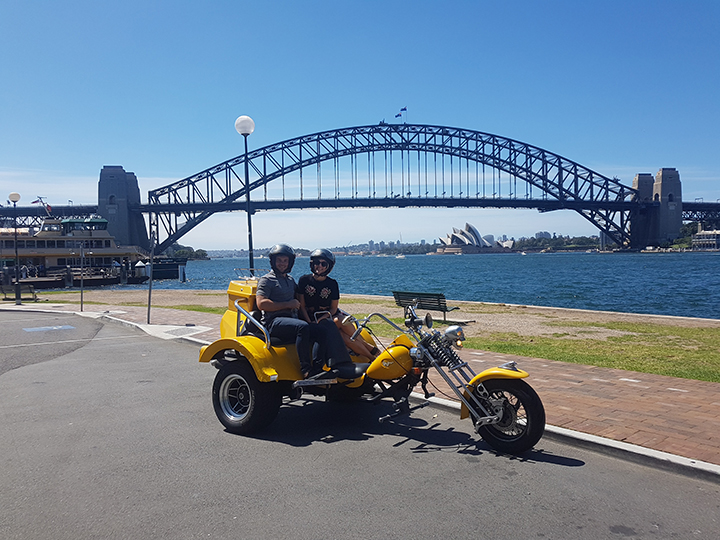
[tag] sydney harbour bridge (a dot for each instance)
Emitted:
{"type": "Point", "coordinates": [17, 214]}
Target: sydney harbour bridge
{"type": "Point", "coordinates": [391, 165]}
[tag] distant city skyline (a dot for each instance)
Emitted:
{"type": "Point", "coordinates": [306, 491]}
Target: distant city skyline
{"type": "Point", "coordinates": [380, 244]}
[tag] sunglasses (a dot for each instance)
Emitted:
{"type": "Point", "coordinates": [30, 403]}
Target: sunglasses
{"type": "Point", "coordinates": [320, 263]}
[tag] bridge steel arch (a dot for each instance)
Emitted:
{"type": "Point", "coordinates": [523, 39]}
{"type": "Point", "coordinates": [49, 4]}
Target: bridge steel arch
{"type": "Point", "coordinates": [547, 180]}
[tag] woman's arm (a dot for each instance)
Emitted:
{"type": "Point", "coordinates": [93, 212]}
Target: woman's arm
{"type": "Point", "coordinates": [303, 310]}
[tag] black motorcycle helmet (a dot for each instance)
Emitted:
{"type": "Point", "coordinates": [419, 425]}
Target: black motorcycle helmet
{"type": "Point", "coordinates": [281, 249]}
{"type": "Point", "coordinates": [324, 255]}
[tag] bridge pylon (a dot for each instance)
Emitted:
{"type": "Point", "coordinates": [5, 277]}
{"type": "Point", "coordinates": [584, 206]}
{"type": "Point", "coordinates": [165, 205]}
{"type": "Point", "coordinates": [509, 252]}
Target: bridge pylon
{"type": "Point", "coordinates": [658, 218]}
{"type": "Point", "coordinates": [118, 191]}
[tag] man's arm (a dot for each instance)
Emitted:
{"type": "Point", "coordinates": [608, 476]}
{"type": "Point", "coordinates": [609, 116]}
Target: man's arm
{"type": "Point", "coordinates": [265, 304]}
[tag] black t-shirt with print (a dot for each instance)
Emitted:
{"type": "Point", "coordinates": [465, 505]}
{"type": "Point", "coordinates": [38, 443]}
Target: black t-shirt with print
{"type": "Point", "coordinates": [318, 294]}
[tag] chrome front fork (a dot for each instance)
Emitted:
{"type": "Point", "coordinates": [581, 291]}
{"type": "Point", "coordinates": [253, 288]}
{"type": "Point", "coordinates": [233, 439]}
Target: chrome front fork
{"type": "Point", "coordinates": [458, 378]}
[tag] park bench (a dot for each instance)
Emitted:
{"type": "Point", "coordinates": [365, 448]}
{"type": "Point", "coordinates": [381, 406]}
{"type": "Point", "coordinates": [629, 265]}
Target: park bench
{"type": "Point", "coordinates": [429, 301]}
{"type": "Point", "coordinates": [26, 290]}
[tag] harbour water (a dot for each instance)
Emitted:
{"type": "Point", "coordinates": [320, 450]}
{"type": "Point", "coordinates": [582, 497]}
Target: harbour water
{"type": "Point", "coordinates": [681, 284]}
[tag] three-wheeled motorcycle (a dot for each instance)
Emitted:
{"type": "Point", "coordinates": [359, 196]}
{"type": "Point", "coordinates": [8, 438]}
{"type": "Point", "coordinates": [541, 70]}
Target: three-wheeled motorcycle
{"type": "Point", "coordinates": [255, 374]}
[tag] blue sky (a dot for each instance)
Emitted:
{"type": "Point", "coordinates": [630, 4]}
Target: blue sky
{"type": "Point", "coordinates": [619, 86]}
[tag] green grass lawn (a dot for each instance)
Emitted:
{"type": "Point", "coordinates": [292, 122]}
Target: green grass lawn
{"type": "Point", "coordinates": [689, 353]}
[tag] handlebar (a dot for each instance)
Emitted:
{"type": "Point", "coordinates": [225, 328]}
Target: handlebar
{"type": "Point", "coordinates": [362, 323]}
{"type": "Point", "coordinates": [356, 333]}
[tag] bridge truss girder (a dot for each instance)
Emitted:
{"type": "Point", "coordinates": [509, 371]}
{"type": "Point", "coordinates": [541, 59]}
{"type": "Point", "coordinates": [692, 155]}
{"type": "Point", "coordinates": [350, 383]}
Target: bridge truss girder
{"type": "Point", "coordinates": [706, 213]}
{"type": "Point", "coordinates": [557, 181]}
{"type": "Point", "coordinates": [35, 216]}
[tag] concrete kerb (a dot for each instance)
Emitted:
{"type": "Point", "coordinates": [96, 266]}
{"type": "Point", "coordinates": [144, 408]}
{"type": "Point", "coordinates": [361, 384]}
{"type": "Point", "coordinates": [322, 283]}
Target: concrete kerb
{"type": "Point", "coordinates": [638, 454]}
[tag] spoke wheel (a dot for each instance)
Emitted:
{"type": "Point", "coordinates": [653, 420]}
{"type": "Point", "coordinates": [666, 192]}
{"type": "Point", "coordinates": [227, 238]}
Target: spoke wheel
{"type": "Point", "coordinates": [523, 416]}
{"type": "Point", "coordinates": [242, 403]}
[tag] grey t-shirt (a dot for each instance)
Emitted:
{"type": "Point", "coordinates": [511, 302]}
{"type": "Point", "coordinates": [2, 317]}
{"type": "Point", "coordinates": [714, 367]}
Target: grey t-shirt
{"type": "Point", "coordinates": [277, 289]}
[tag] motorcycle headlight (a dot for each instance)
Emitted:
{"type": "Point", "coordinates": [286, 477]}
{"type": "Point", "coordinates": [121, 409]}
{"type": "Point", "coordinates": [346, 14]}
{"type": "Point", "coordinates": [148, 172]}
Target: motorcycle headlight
{"type": "Point", "coordinates": [455, 333]}
{"type": "Point", "coordinates": [454, 336]}
{"type": "Point", "coordinates": [416, 353]}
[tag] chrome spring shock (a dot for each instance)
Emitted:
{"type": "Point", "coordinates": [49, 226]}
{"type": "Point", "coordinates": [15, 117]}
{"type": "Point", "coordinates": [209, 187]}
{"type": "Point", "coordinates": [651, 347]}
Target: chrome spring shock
{"type": "Point", "coordinates": [444, 355]}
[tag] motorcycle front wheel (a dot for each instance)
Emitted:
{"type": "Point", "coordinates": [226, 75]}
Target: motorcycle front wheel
{"type": "Point", "coordinates": [523, 419]}
{"type": "Point", "coordinates": [241, 402]}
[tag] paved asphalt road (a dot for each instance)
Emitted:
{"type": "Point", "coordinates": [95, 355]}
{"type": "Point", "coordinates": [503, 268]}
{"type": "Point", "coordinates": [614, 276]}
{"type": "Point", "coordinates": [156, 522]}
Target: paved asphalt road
{"type": "Point", "coordinates": [106, 432]}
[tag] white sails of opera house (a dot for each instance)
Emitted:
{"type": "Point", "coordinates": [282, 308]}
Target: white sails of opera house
{"type": "Point", "coordinates": [469, 240]}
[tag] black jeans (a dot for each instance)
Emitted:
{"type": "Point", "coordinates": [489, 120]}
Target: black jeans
{"type": "Point", "coordinates": [291, 330]}
{"type": "Point", "coordinates": [316, 343]}
{"type": "Point", "coordinates": [329, 346]}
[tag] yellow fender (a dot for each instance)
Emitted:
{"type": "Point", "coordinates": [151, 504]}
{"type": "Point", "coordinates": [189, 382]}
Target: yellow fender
{"type": "Point", "coordinates": [492, 373]}
{"type": "Point", "coordinates": [275, 364]}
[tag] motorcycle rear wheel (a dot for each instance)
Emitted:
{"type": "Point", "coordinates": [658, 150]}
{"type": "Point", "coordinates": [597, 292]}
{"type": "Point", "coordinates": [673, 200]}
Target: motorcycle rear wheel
{"type": "Point", "coordinates": [523, 420]}
{"type": "Point", "coordinates": [241, 402]}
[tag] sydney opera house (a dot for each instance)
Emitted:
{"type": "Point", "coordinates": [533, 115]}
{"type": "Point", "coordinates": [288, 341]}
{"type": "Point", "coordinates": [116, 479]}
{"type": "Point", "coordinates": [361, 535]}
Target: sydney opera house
{"type": "Point", "coordinates": [469, 240]}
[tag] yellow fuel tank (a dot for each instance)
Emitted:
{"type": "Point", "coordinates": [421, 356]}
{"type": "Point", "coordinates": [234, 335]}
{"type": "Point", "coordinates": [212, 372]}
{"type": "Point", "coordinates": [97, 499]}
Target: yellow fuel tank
{"type": "Point", "coordinates": [393, 362]}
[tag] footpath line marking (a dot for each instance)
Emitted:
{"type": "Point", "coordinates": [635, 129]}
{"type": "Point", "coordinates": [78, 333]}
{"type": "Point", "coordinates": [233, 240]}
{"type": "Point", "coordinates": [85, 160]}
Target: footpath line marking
{"type": "Point", "coordinates": [677, 390]}
{"type": "Point", "coordinates": [59, 341]}
{"type": "Point", "coordinates": [48, 328]}
{"type": "Point", "coordinates": [629, 380]}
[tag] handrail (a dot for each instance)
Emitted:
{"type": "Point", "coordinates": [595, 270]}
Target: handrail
{"type": "Point", "coordinates": [252, 319]}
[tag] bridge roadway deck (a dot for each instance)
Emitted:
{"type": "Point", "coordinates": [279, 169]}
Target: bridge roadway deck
{"type": "Point", "coordinates": [677, 416]}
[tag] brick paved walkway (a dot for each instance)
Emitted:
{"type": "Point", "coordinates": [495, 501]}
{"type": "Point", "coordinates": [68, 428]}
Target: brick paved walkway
{"type": "Point", "coordinates": [678, 416]}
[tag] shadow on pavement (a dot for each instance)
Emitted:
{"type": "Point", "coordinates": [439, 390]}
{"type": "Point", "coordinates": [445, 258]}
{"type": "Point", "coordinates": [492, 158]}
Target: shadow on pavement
{"type": "Point", "coordinates": [307, 421]}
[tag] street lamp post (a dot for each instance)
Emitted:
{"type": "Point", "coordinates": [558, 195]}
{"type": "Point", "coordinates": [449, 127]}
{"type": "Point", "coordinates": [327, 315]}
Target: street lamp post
{"type": "Point", "coordinates": [245, 126]}
{"type": "Point", "coordinates": [82, 272]}
{"type": "Point", "coordinates": [14, 198]}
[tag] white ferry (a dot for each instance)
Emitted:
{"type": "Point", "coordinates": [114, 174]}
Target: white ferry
{"type": "Point", "coordinates": [62, 249]}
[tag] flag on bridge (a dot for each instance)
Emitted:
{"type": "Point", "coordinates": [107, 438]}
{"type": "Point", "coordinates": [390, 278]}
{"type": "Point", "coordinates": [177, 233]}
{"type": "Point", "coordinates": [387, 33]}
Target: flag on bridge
{"type": "Point", "coordinates": [403, 109]}
{"type": "Point", "coordinates": [398, 115]}
{"type": "Point", "coordinates": [35, 202]}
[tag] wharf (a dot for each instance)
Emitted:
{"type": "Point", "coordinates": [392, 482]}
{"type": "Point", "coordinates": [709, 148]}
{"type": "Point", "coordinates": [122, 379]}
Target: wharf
{"type": "Point", "coordinates": [622, 410]}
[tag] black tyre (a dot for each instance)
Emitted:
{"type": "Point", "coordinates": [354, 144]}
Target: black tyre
{"type": "Point", "coordinates": [523, 420]}
{"type": "Point", "coordinates": [241, 402]}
